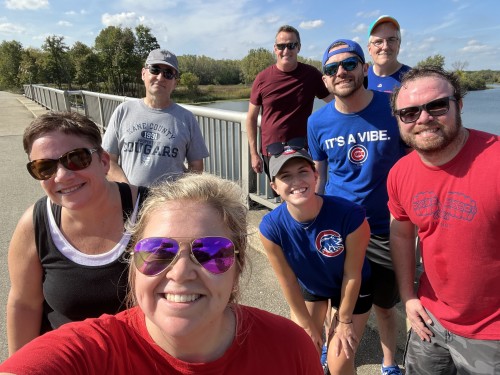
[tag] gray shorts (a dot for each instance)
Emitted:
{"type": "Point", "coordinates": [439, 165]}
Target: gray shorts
{"type": "Point", "coordinates": [449, 354]}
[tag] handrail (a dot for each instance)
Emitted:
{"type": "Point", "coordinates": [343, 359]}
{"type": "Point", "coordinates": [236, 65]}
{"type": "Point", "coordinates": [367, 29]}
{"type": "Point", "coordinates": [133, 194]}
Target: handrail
{"type": "Point", "coordinates": [223, 130]}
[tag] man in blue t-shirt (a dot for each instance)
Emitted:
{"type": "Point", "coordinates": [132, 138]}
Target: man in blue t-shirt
{"type": "Point", "coordinates": [384, 40]}
{"type": "Point", "coordinates": [354, 141]}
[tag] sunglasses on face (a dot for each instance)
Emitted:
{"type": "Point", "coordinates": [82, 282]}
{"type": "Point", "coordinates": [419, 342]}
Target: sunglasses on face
{"type": "Point", "coordinates": [75, 160]}
{"type": "Point", "coordinates": [282, 46]}
{"type": "Point", "coordinates": [154, 255]}
{"type": "Point", "coordinates": [380, 41]}
{"type": "Point", "coordinates": [348, 64]}
{"type": "Point", "coordinates": [277, 148]}
{"type": "Point", "coordinates": [437, 107]}
{"type": "Point", "coordinates": [167, 73]}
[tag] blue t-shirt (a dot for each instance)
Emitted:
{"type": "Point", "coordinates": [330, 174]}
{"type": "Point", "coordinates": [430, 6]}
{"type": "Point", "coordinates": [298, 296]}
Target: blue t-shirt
{"type": "Point", "coordinates": [360, 149]}
{"type": "Point", "coordinates": [388, 83]}
{"type": "Point", "coordinates": [316, 251]}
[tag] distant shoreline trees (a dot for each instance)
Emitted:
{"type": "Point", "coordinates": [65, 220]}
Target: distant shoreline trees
{"type": "Point", "coordinates": [113, 65]}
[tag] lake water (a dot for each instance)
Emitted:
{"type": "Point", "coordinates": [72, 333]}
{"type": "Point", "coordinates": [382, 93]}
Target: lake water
{"type": "Point", "coordinates": [481, 109]}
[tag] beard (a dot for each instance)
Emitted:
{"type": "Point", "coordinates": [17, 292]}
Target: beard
{"type": "Point", "coordinates": [448, 135]}
{"type": "Point", "coordinates": [347, 89]}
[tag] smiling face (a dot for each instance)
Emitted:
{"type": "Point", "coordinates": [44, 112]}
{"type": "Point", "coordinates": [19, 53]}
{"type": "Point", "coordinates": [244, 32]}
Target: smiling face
{"type": "Point", "coordinates": [296, 181]}
{"type": "Point", "coordinates": [71, 189]}
{"type": "Point", "coordinates": [429, 134]}
{"type": "Point", "coordinates": [345, 83]}
{"type": "Point", "coordinates": [287, 58]}
{"type": "Point", "coordinates": [387, 53]}
{"type": "Point", "coordinates": [185, 302]}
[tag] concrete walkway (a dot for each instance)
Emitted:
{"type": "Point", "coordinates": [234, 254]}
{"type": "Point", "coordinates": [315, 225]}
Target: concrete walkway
{"type": "Point", "coordinates": [18, 191]}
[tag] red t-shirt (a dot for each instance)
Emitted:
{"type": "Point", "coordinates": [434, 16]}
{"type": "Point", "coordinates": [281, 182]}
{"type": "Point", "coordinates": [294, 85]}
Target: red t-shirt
{"type": "Point", "coordinates": [287, 100]}
{"type": "Point", "coordinates": [120, 344]}
{"type": "Point", "coordinates": [456, 208]}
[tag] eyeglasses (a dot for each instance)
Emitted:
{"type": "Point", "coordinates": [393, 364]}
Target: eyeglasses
{"type": "Point", "coordinates": [277, 148]}
{"type": "Point", "coordinates": [437, 107]}
{"type": "Point", "coordinates": [167, 73]}
{"type": "Point", "coordinates": [75, 160]}
{"type": "Point", "coordinates": [282, 46]}
{"type": "Point", "coordinates": [153, 255]}
{"type": "Point", "coordinates": [348, 64]}
{"type": "Point", "coordinates": [380, 42]}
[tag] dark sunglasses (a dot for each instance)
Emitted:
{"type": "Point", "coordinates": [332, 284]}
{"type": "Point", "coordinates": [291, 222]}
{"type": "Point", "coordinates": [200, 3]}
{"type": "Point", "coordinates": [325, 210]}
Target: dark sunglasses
{"type": "Point", "coordinates": [437, 107]}
{"type": "Point", "coordinates": [277, 148]}
{"type": "Point", "coordinates": [167, 73]}
{"type": "Point", "coordinates": [282, 46]}
{"type": "Point", "coordinates": [74, 160]}
{"type": "Point", "coordinates": [154, 255]}
{"type": "Point", "coordinates": [348, 64]}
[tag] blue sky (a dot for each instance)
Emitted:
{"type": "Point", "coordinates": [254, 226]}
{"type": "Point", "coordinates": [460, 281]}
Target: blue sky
{"type": "Point", "coordinates": [460, 30]}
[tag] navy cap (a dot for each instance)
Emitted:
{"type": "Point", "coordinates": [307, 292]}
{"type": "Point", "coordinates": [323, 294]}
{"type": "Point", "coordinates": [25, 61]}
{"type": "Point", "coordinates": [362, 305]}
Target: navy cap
{"type": "Point", "coordinates": [350, 46]}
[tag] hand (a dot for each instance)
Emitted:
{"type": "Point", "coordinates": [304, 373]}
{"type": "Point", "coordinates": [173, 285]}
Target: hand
{"type": "Point", "coordinates": [344, 339]}
{"type": "Point", "coordinates": [316, 337]}
{"type": "Point", "coordinates": [419, 319]}
{"type": "Point", "coordinates": [256, 163]}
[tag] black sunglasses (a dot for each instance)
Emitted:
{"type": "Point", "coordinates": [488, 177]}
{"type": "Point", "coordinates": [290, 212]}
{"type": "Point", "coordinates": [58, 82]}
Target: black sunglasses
{"type": "Point", "coordinates": [282, 46]}
{"type": "Point", "coordinates": [74, 160]}
{"type": "Point", "coordinates": [348, 64]}
{"type": "Point", "coordinates": [277, 148]}
{"type": "Point", "coordinates": [437, 107]}
{"type": "Point", "coordinates": [167, 73]}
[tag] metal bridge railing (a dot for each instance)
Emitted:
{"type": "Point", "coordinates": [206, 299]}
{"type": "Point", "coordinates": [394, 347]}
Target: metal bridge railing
{"type": "Point", "coordinates": [224, 133]}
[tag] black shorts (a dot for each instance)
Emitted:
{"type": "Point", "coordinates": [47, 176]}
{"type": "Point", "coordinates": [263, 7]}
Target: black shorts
{"type": "Point", "coordinates": [385, 286]}
{"type": "Point", "coordinates": [363, 303]}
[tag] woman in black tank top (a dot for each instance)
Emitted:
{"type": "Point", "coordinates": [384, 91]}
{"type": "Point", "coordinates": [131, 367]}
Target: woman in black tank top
{"type": "Point", "coordinates": [66, 256]}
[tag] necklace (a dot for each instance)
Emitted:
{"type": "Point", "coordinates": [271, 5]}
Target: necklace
{"type": "Point", "coordinates": [306, 225]}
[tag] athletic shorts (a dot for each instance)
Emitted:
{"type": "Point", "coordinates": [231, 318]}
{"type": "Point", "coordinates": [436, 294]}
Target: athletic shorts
{"type": "Point", "coordinates": [363, 303]}
{"type": "Point", "coordinates": [385, 286]}
{"type": "Point", "coordinates": [449, 354]}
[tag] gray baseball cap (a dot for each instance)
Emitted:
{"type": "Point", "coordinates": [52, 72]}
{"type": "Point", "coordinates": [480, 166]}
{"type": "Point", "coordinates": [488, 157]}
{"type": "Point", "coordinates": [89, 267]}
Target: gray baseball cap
{"type": "Point", "coordinates": [162, 56]}
{"type": "Point", "coordinates": [277, 162]}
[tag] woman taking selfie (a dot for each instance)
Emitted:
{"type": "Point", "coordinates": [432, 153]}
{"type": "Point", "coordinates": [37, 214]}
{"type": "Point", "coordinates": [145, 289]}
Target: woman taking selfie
{"type": "Point", "coordinates": [189, 252]}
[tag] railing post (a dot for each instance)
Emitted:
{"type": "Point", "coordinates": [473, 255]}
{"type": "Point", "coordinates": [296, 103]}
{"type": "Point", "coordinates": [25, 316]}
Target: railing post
{"type": "Point", "coordinates": [67, 102]}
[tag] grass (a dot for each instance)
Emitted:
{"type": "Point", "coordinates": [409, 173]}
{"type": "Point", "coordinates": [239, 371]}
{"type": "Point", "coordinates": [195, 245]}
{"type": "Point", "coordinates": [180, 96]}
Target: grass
{"type": "Point", "coordinates": [212, 93]}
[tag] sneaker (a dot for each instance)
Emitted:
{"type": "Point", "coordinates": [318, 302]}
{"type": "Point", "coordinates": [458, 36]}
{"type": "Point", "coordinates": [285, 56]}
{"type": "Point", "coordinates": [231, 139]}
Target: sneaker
{"type": "Point", "coordinates": [390, 370]}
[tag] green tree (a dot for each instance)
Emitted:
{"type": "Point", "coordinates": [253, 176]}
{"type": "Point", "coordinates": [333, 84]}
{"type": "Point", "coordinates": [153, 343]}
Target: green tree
{"type": "Point", "coordinates": [191, 81]}
{"type": "Point", "coordinates": [30, 68]}
{"type": "Point", "coordinates": [10, 60]}
{"type": "Point", "coordinates": [86, 64]}
{"type": "Point", "coordinates": [436, 60]}
{"type": "Point", "coordinates": [146, 42]}
{"type": "Point", "coordinates": [253, 63]}
{"type": "Point", "coordinates": [119, 64]}
{"type": "Point", "coordinates": [58, 65]}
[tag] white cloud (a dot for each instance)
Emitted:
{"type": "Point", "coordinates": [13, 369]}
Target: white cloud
{"type": "Point", "coordinates": [121, 19]}
{"type": "Point", "coordinates": [373, 14]}
{"type": "Point", "coordinates": [474, 46]}
{"type": "Point", "coordinates": [65, 23]}
{"type": "Point", "coordinates": [311, 24]}
{"type": "Point", "coordinates": [361, 28]}
{"type": "Point", "coordinates": [9, 28]}
{"type": "Point", "coordinates": [27, 4]}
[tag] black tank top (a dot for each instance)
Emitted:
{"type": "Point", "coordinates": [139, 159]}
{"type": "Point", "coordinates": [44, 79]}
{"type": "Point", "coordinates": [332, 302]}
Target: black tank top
{"type": "Point", "coordinates": [72, 291]}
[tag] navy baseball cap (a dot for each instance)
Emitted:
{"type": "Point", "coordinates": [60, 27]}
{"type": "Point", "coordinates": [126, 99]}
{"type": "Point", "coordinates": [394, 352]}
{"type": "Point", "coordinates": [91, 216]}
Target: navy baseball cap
{"type": "Point", "coordinates": [350, 46]}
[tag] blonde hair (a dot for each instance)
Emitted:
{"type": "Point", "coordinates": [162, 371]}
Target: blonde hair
{"type": "Point", "coordinates": [223, 195]}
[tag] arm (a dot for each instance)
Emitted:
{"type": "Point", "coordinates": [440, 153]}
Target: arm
{"type": "Point", "coordinates": [321, 167]}
{"type": "Point", "coordinates": [251, 126]}
{"type": "Point", "coordinates": [291, 290]}
{"type": "Point", "coordinates": [115, 172]}
{"type": "Point", "coordinates": [345, 337]}
{"type": "Point", "coordinates": [402, 243]}
{"type": "Point", "coordinates": [195, 166]}
{"type": "Point", "coordinates": [25, 300]}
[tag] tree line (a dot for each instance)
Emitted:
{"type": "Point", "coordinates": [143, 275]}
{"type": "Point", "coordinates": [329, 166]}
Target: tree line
{"type": "Point", "coordinates": [113, 65]}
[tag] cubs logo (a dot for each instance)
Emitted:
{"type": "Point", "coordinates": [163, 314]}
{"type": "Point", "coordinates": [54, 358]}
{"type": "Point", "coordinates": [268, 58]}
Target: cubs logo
{"type": "Point", "coordinates": [358, 154]}
{"type": "Point", "coordinates": [329, 243]}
